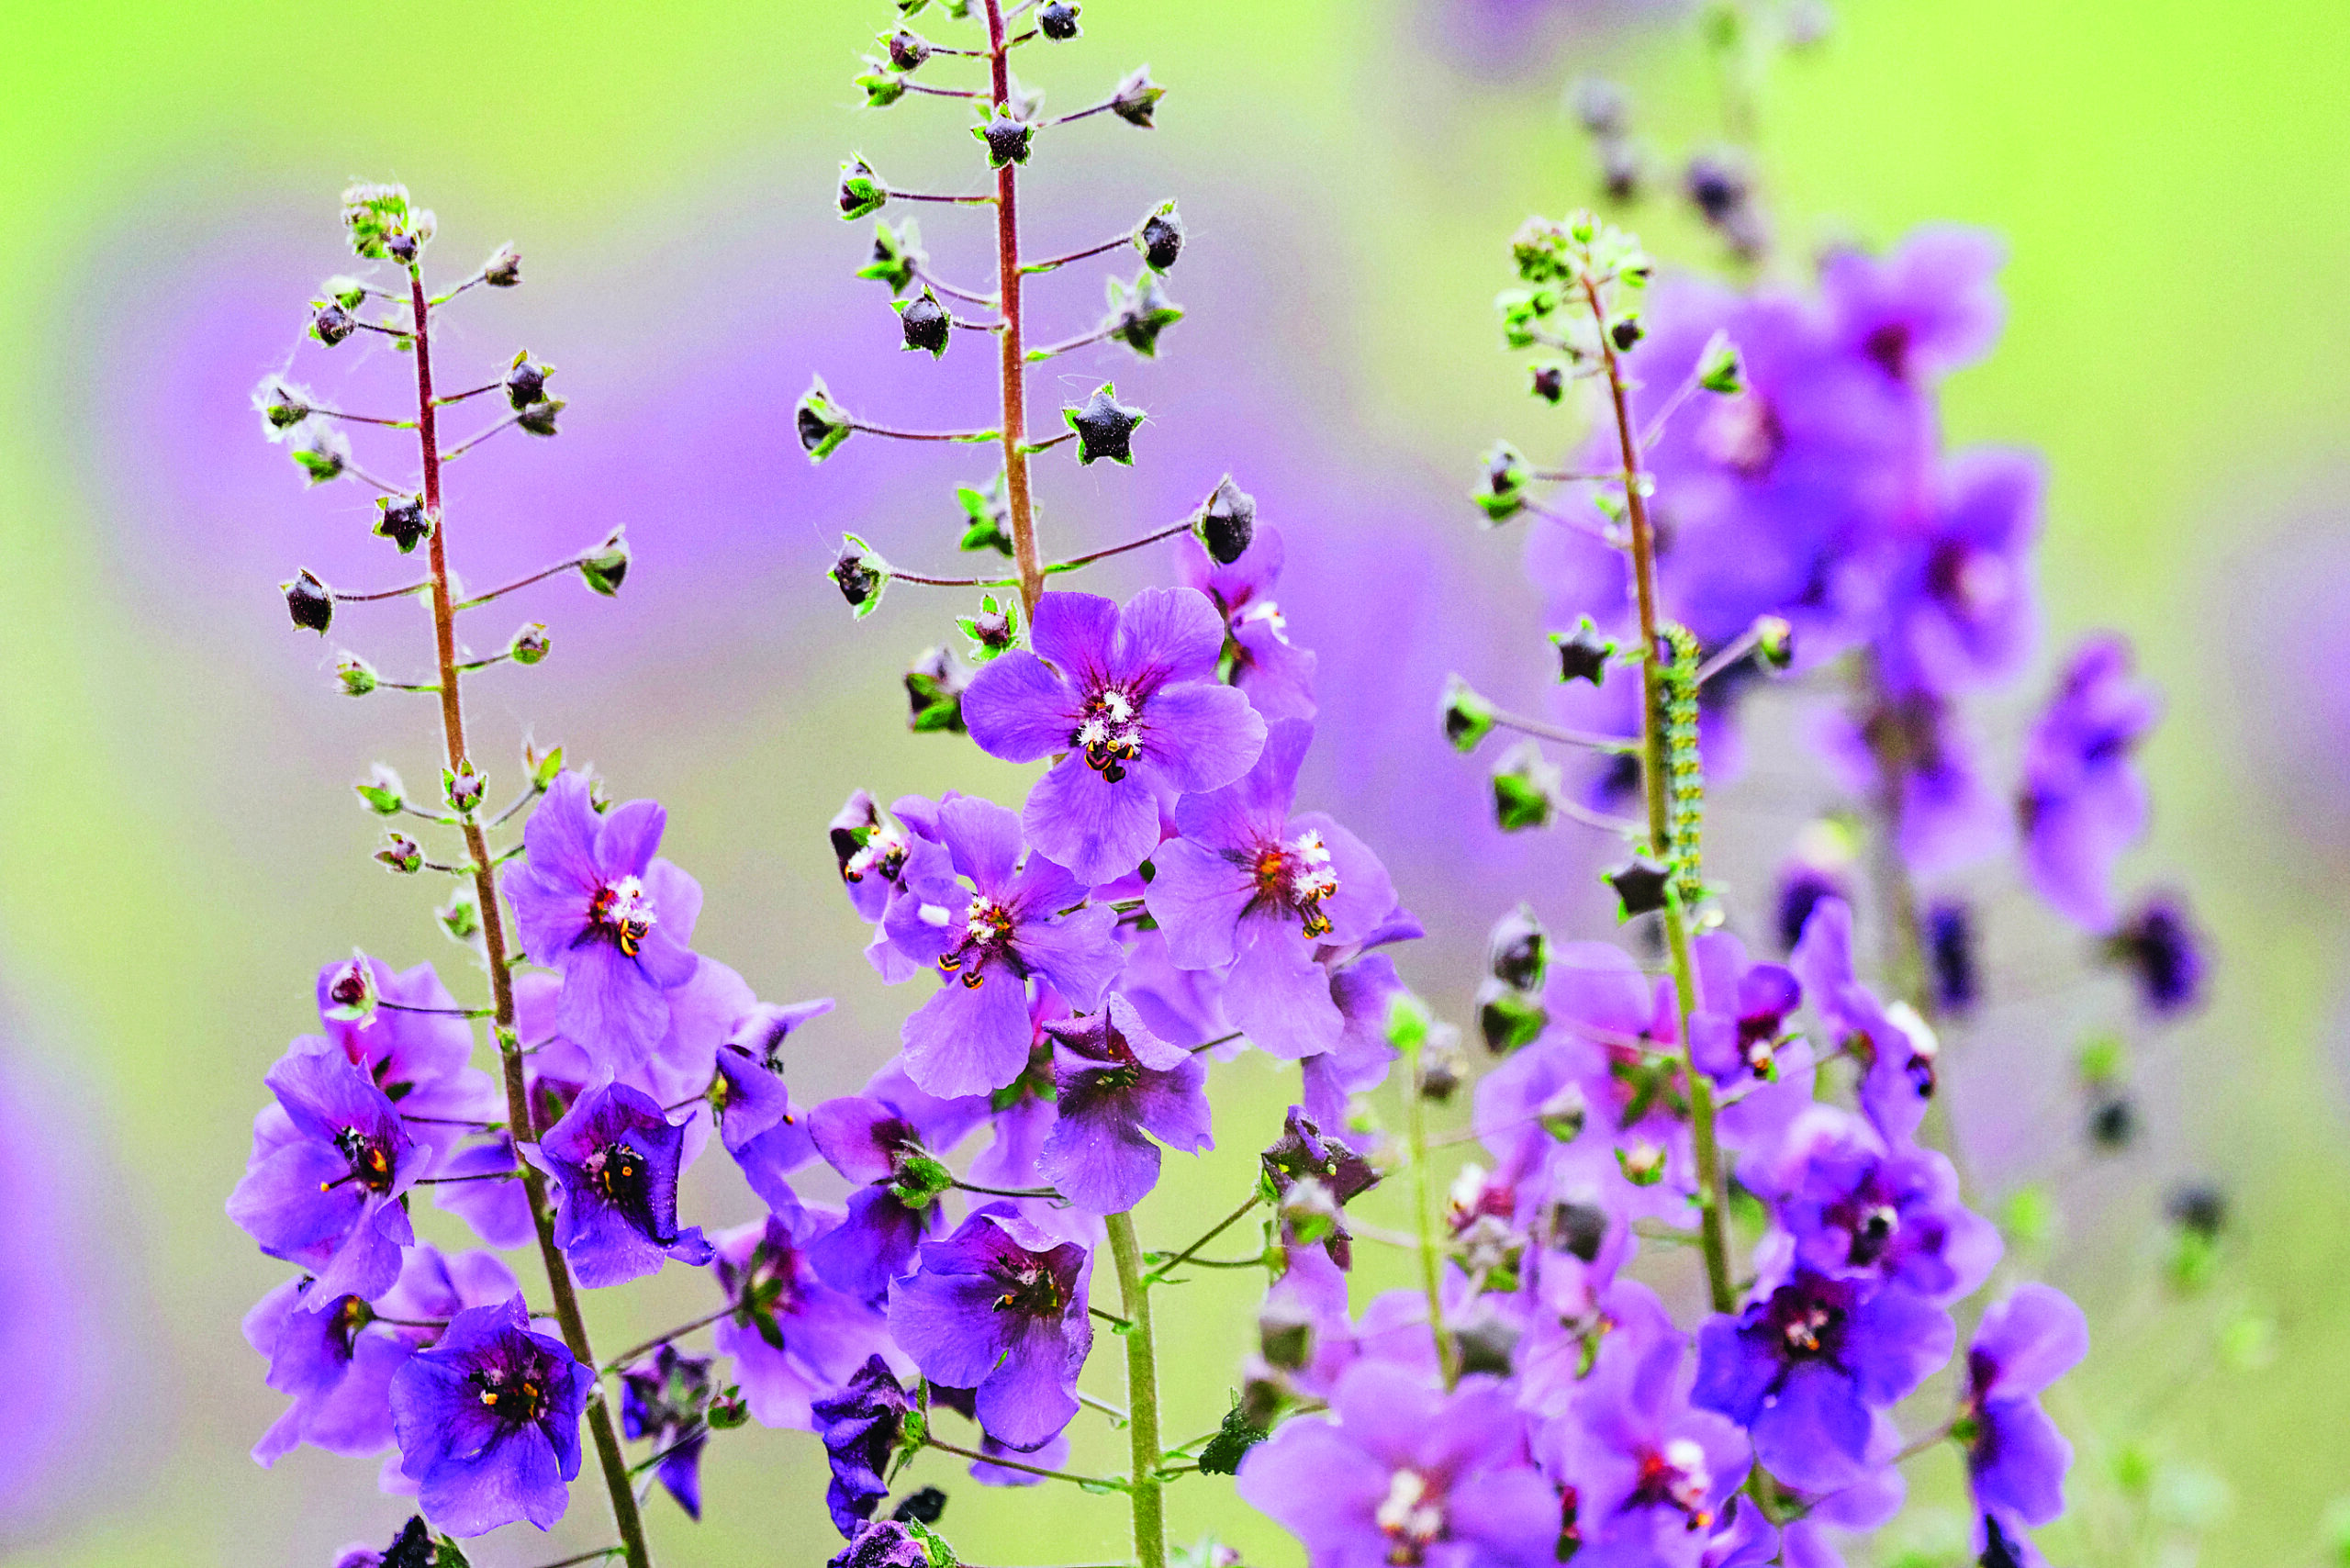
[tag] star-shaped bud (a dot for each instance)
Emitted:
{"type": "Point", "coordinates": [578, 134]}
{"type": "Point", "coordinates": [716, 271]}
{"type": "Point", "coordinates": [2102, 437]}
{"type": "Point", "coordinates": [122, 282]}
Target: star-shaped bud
{"type": "Point", "coordinates": [1136, 100]}
{"type": "Point", "coordinates": [1228, 522]}
{"type": "Point", "coordinates": [1640, 888]}
{"type": "Point", "coordinates": [1006, 136]}
{"type": "Point", "coordinates": [309, 603]}
{"type": "Point", "coordinates": [861, 573]}
{"type": "Point", "coordinates": [1548, 382]}
{"type": "Point", "coordinates": [861, 190]}
{"type": "Point", "coordinates": [1525, 787]}
{"type": "Point", "coordinates": [1160, 238]}
{"type": "Point", "coordinates": [604, 568]}
{"type": "Point", "coordinates": [463, 785]}
{"type": "Point", "coordinates": [1503, 495]}
{"type": "Point", "coordinates": [1057, 20]}
{"type": "Point", "coordinates": [925, 323]}
{"type": "Point", "coordinates": [322, 455]}
{"type": "Point", "coordinates": [898, 255]}
{"type": "Point", "coordinates": [823, 424]}
{"type": "Point", "coordinates": [989, 514]}
{"type": "Point", "coordinates": [1143, 311]}
{"type": "Point", "coordinates": [402, 521]}
{"type": "Point", "coordinates": [994, 629]}
{"type": "Point", "coordinates": [1584, 653]}
{"type": "Point", "coordinates": [382, 226]}
{"type": "Point", "coordinates": [1104, 427]}
{"type": "Point", "coordinates": [526, 381]}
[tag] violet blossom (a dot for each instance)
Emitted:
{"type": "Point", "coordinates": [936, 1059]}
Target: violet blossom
{"type": "Point", "coordinates": [1249, 886]}
{"type": "Point", "coordinates": [615, 1157]}
{"type": "Point", "coordinates": [863, 1423]}
{"type": "Point", "coordinates": [870, 1140]}
{"type": "Point", "coordinates": [791, 1336]}
{"type": "Point", "coordinates": [1961, 610]}
{"type": "Point", "coordinates": [2163, 953]}
{"type": "Point", "coordinates": [1896, 1049]}
{"type": "Point", "coordinates": [2083, 799]}
{"type": "Point", "coordinates": [592, 902]}
{"type": "Point", "coordinates": [1120, 1086]}
{"type": "Point", "coordinates": [1127, 699]}
{"type": "Point", "coordinates": [487, 1421]}
{"type": "Point", "coordinates": [1851, 1206]}
{"type": "Point", "coordinates": [1277, 676]}
{"type": "Point", "coordinates": [663, 1402]}
{"type": "Point", "coordinates": [2016, 1458]}
{"type": "Point", "coordinates": [756, 1122]}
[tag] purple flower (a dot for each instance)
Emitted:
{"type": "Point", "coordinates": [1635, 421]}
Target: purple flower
{"type": "Point", "coordinates": [999, 1308]}
{"type": "Point", "coordinates": [1649, 1474]}
{"type": "Point", "coordinates": [1852, 1208]}
{"type": "Point", "coordinates": [1929, 309]}
{"type": "Point", "coordinates": [1118, 1082]}
{"type": "Point", "coordinates": [2159, 945]}
{"type": "Point", "coordinates": [615, 1158]}
{"type": "Point", "coordinates": [1129, 702]}
{"type": "Point", "coordinates": [417, 1051]}
{"type": "Point", "coordinates": [862, 1424]}
{"type": "Point", "coordinates": [1363, 991]}
{"type": "Point", "coordinates": [593, 903]}
{"type": "Point", "coordinates": [1277, 677]}
{"type": "Point", "coordinates": [1960, 611]}
{"type": "Point", "coordinates": [1303, 1154]}
{"type": "Point", "coordinates": [872, 1141]}
{"type": "Point", "coordinates": [329, 1164]}
{"type": "Point", "coordinates": [1408, 1475]}
{"type": "Point", "coordinates": [662, 1402]}
{"type": "Point", "coordinates": [886, 1544]}
{"type": "Point", "coordinates": [973, 1036]}
{"type": "Point", "coordinates": [755, 1120]}
{"type": "Point", "coordinates": [1249, 886]}
{"type": "Point", "coordinates": [1896, 1049]}
{"type": "Point", "coordinates": [2016, 1458]}
{"type": "Point", "coordinates": [337, 1362]}
{"type": "Point", "coordinates": [1911, 751]}
{"type": "Point", "coordinates": [1807, 1368]}
{"type": "Point", "coordinates": [488, 1421]}
{"type": "Point", "coordinates": [791, 1335]}
{"type": "Point", "coordinates": [2082, 800]}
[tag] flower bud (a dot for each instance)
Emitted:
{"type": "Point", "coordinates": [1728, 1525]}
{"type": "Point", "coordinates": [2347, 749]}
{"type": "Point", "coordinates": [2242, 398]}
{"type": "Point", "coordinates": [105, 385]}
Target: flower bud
{"type": "Point", "coordinates": [1285, 1333]}
{"type": "Point", "coordinates": [2113, 1121]}
{"type": "Point", "coordinates": [1548, 382]}
{"type": "Point", "coordinates": [1584, 653]}
{"type": "Point", "coordinates": [381, 225]}
{"type": "Point", "coordinates": [1949, 956]}
{"type": "Point", "coordinates": [1160, 238]}
{"type": "Point", "coordinates": [1143, 311]}
{"type": "Point", "coordinates": [1563, 1113]}
{"type": "Point", "coordinates": [401, 854]}
{"type": "Point", "coordinates": [383, 792]}
{"type": "Point", "coordinates": [1104, 427]}
{"type": "Point", "coordinates": [1602, 108]}
{"type": "Point", "coordinates": [883, 85]}
{"type": "Point", "coordinates": [1227, 525]}
{"type": "Point", "coordinates": [1720, 368]}
{"type": "Point", "coordinates": [1006, 137]}
{"type": "Point", "coordinates": [1309, 1212]}
{"type": "Point", "coordinates": [2197, 1208]}
{"type": "Point", "coordinates": [1136, 100]}
{"type": "Point", "coordinates": [729, 1410]}
{"type": "Point", "coordinates": [539, 417]}
{"type": "Point", "coordinates": [925, 323]}
{"type": "Point", "coordinates": [504, 268]}
{"type": "Point", "coordinates": [322, 455]}
{"type": "Point", "coordinates": [1639, 888]}
{"type": "Point", "coordinates": [526, 381]}
{"type": "Point", "coordinates": [358, 677]}
{"type": "Point", "coordinates": [1626, 332]}
{"type": "Point", "coordinates": [1774, 643]}
{"type": "Point", "coordinates": [1443, 1066]}
{"type": "Point", "coordinates": [1622, 169]}
{"type": "Point", "coordinates": [282, 405]}
{"type": "Point", "coordinates": [1717, 184]}
{"type": "Point", "coordinates": [1579, 1229]}
{"type": "Point", "coordinates": [1518, 950]}
{"type": "Point", "coordinates": [988, 514]}
{"type": "Point", "coordinates": [1502, 495]}
{"type": "Point", "coordinates": [861, 573]}
{"type": "Point", "coordinates": [993, 630]}
{"type": "Point", "coordinates": [461, 916]}
{"type": "Point", "coordinates": [462, 785]}
{"type": "Point", "coordinates": [2161, 948]}
{"type": "Point", "coordinates": [530, 644]}
{"type": "Point", "coordinates": [402, 521]}
{"type": "Point", "coordinates": [1540, 251]}
{"type": "Point", "coordinates": [351, 992]}
{"type": "Point", "coordinates": [1488, 1343]}
{"type": "Point", "coordinates": [861, 190]}
{"type": "Point", "coordinates": [907, 50]}
{"type": "Point", "coordinates": [1057, 20]}
{"type": "Point", "coordinates": [1525, 783]}
{"type": "Point", "coordinates": [1643, 1163]}
{"type": "Point", "coordinates": [934, 689]}
{"type": "Point", "coordinates": [1467, 718]}
{"type": "Point", "coordinates": [607, 566]}
{"type": "Point", "coordinates": [310, 602]}
{"type": "Point", "coordinates": [919, 1177]}
{"type": "Point", "coordinates": [822, 424]}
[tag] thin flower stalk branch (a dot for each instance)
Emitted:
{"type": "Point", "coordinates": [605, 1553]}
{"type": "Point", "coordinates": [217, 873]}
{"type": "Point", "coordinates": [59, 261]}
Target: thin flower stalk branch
{"type": "Point", "coordinates": [973, 436]}
{"type": "Point", "coordinates": [508, 423]}
{"type": "Point", "coordinates": [1005, 1461]}
{"type": "Point", "coordinates": [635, 1353]}
{"type": "Point", "coordinates": [940, 285]}
{"type": "Point", "coordinates": [477, 600]}
{"type": "Point", "coordinates": [1074, 562]}
{"type": "Point", "coordinates": [1051, 262]}
{"type": "Point", "coordinates": [605, 1436]}
{"type": "Point", "coordinates": [1161, 1272]}
{"type": "Point", "coordinates": [404, 592]}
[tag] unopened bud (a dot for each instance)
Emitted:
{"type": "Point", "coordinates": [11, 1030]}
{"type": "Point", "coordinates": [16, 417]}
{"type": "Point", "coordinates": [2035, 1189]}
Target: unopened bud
{"type": "Point", "coordinates": [382, 226]}
{"type": "Point", "coordinates": [310, 602]}
{"type": "Point", "coordinates": [1005, 136]}
{"type": "Point", "coordinates": [1104, 427]}
{"type": "Point", "coordinates": [1137, 101]}
{"type": "Point", "coordinates": [2197, 1208]}
{"type": "Point", "coordinates": [1602, 108]}
{"type": "Point", "coordinates": [1584, 653]}
{"type": "Point", "coordinates": [1643, 1164]}
{"type": "Point", "coordinates": [383, 792]}
{"type": "Point", "coordinates": [1625, 333]}
{"type": "Point", "coordinates": [907, 50]}
{"type": "Point", "coordinates": [822, 424]}
{"type": "Point", "coordinates": [2113, 1121]}
{"type": "Point", "coordinates": [606, 567]}
{"type": "Point", "coordinates": [402, 521]}
{"type": "Point", "coordinates": [1720, 368]}
{"type": "Point", "coordinates": [322, 455]}
{"type": "Point", "coordinates": [934, 687]}
{"type": "Point", "coordinates": [350, 991]}
{"type": "Point", "coordinates": [358, 677]}
{"type": "Point", "coordinates": [1503, 495]}
{"type": "Point", "coordinates": [1622, 169]}
{"type": "Point", "coordinates": [530, 644]}
{"type": "Point", "coordinates": [861, 573]}
{"type": "Point", "coordinates": [1639, 888]}
{"type": "Point", "coordinates": [1285, 1334]}
{"type": "Point", "coordinates": [986, 511]}
{"type": "Point", "coordinates": [329, 322]}
{"type": "Point", "coordinates": [1487, 1344]}
{"type": "Point", "coordinates": [539, 417]}
{"type": "Point", "coordinates": [1160, 238]}
{"type": "Point", "coordinates": [1507, 1018]}
{"type": "Point", "coordinates": [1518, 950]}
{"type": "Point", "coordinates": [1774, 643]}
{"type": "Point", "coordinates": [1142, 310]}
{"type": "Point", "coordinates": [1717, 184]}
{"type": "Point", "coordinates": [1563, 1113]}
{"type": "Point", "coordinates": [1548, 382]}
{"type": "Point", "coordinates": [1228, 522]}
{"type": "Point", "coordinates": [504, 268]}
{"type": "Point", "coordinates": [861, 190]}
{"type": "Point", "coordinates": [729, 1410]}
{"type": "Point", "coordinates": [1467, 718]}
{"type": "Point", "coordinates": [461, 916]}
{"type": "Point", "coordinates": [897, 256]}
{"type": "Point", "coordinates": [526, 381]}
{"type": "Point", "coordinates": [994, 629]}
{"type": "Point", "coordinates": [925, 323]}
{"type": "Point", "coordinates": [282, 405]}
{"type": "Point", "coordinates": [1309, 1212]}
{"type": "Point", "coordinates": [1580, 1229]}
{"type": "Point", "coordinates": [884, 84]}
{"type": "Point", "coordinates": [1057, 21]}
{"type": "Point", "coordinates": [1525, 787]}
{"type": "Point", "coordinates": [401, 854]}
{"type": "Point", "coordinates": [1443, 1067]}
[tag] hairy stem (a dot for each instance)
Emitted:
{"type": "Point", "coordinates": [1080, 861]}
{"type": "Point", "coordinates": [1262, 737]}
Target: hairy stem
{"type": "Point", "coordinates": [1142, 1376]}
{"type": "Point", "coordinates": [493, 929]}
{"type": "Point", "coordinates": [1013, 355]}
{"type": "Point", "coordinates": [1713, 1198]}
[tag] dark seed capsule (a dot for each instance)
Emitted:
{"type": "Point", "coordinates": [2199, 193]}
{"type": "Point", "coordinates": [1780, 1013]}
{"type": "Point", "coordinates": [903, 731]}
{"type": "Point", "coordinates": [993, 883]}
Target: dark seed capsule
{"type": "Point", "coordinates": [1057, 21]}
{"type": "Point", "coordinates": [309, 601]}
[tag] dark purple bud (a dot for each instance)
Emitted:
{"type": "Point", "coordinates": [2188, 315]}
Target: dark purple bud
{"type": "Point", "coordinates": [1161, 238]}
{"type": "Point", "coordinates": [2198, 1208]}
{"type": "Point", "coordinates": [1508, 1018]}
{"type": "Point", "coordinates": [1548, 382]}
{"type": "Point", "coordinates": [922, 1507]}
{"type": "Point", "coordinates": [1057, 21]}
{"type": "Point", "coordinates": [526, 381]}
{"type": "Point", "coordinates": [607, 567]}
{"type": "Point", "coordinates": [1625, 334]}
{"type": "Point", "coordinates": [1718, 183]}
{"type": "Point", "coordinates": [1602, 108]}
{"type": "Point", "coordinates": [2113, 1120]}
{"type": "Point", "coordinates": [1444, 1067]}
{"type": "Point", "coordinates": [1584, 653]}
{"type": "Point", "coordinates": [2163, 953]}
{"type": "Point", "coordinates": [859, 574]}
{"type": "Point", "coordinates": [1007, 138]}
{"type": "Point", "coordinates": [925, 324]}
{"type": "Point", "coordinates": [1518, 950]}
{"type": "Point", "coordinates": [401, 854]}
{"type": "Point", "coordinates": [309, 603]}
{"type": "Point", "coordinates": [331, 323]}
{"type": "Point", "coordinates": [1488, 1344]}
{"type": "Point", "coordinates": [352, 992]}
{"type": "Point", "coordinates": [1622, 170]}
{"type": "Point", "coordinates": [908, 50]}
{"type": "Point", "coordinates": [934, 687]}
{"type": "Point", "coordinates": [402, 521]}
{"type": "Point", "coordinates": [1950, 950]}
{"type": "Point", "coordinates": [539, 417]}
{"type": "Point", "coordinates": [504, 268]}
{"type": "Point", "coordinates": [1137, 101]}
{"type": "Point", "coordinates": [463, 785]}
{"type": "Point", "coordinates": [1228, 522]}
{"type": "Point", "coordinates": [1285, 1333]}
{"type": "Point", "coordinates": [1639, 888]}
{"type": "Point", "coordinates": [1104, 427]}
{"type": "Point", "coordinates": [1580, 1229]}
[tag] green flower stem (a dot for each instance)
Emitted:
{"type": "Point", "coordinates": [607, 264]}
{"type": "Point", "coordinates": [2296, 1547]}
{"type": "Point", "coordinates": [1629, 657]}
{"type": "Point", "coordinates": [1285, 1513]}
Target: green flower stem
{"type": "Point", "coordinates": [609, 1455]}
{"type": "Point", "coordinates": [1713, 1199]}
{"type": "Point", "coordinates": [1142, 1376]}
{"type": "Point", "coordinates": [1416, 1121]}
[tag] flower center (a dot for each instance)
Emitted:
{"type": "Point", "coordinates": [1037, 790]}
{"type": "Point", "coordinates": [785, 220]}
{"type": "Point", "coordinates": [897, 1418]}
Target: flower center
{"type": "Point", "coordinates": [519, 1400]}
{"type": "Point", "coordinates": [1032, 1291]}
{"type": "Point", "coordinates": [370, 1162]}
{"type": "Point", "coordinates": [1298, 876]}
{"type": "Point", "coordinates": [1678, 1477]}
{"type": "Point", "coordinates": [1975, 582]}
{"type": "Point", "coordinates": [620, 1174]}
{"type": "Point", "coordinates": [883, 853]}
{"type": "Point", "coordinates": [1410, 1516]}
{"type": "Point", "coordinates": [1742, 433]}
{"type": "Point", "coordinates": [1108, 731]}
{"type": "Point", "coordinates": [1808, 1328]}
{"type": "Point", "coordinates": [987, 930]}
{"type": "Point", "coordinates": [1875, 1233]}
{"type": "Point", "coordinates": [623, 911]}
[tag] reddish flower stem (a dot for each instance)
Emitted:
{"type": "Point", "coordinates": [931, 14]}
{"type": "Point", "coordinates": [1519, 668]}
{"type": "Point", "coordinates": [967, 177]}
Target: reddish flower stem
{"type": "Point", "coordinates": [1011, 354]}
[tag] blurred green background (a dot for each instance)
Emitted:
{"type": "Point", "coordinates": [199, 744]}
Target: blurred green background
{"type": "Point", "coordinates": [177, 853]}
